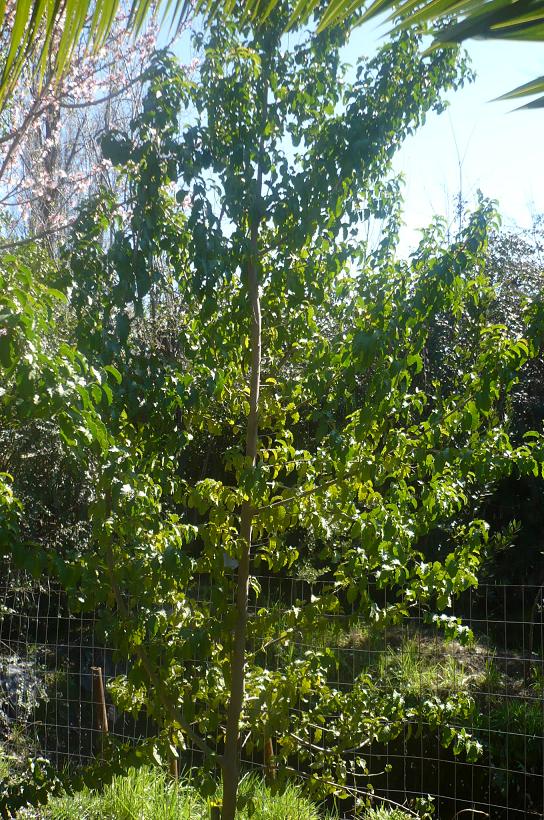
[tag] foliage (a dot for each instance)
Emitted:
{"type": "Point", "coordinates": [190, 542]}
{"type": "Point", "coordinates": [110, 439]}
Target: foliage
{"type": "Point", "coordinates": [42, 377]}
{"type": "Point", "coordinates": [513, 300]}
{"type": "Point", "coordinates": [455, 22]}
{"type": "Point", "coordinates": [386, 814]}
{"type": "Point", "coordinates": [362, 467]}
{"type": "Point", "coordinates": [514, 266]}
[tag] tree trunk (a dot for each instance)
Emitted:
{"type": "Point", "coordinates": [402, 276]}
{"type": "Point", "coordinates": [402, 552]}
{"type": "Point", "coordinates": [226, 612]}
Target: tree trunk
{"type": "Point", "coordinates": [231, 757]}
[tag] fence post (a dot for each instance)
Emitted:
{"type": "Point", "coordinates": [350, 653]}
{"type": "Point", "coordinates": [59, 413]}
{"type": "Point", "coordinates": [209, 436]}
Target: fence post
{"type": "Point", "coordinates": [99, 704]}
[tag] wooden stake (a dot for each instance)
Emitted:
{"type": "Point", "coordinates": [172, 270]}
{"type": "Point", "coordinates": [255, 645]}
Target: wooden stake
{"type": "Point", "coordinates": [99, 704]}
{"type": "Point", "coordinates": [174, 767]}
{"type": "Point", "coordinates": [269, 765]}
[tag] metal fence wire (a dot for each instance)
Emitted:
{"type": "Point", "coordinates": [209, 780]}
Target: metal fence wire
{"type": "Point", "coordinates": [47, 654]}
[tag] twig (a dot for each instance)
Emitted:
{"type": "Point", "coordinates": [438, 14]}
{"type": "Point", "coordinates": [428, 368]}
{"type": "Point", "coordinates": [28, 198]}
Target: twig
{"type": "Point", "coordinates": [107, 97]}
{"type": "Point", "coordinates": [283, 501]}
{"type": "Point", "coordinates": [41, 235]}
{"type": "Point", "coordinates": [355, 792]}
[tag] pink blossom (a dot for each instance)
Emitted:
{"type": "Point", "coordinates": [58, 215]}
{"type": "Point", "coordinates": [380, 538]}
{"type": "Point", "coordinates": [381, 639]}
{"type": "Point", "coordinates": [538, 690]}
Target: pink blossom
{"type": "Point", "coordinates": [53, 128]}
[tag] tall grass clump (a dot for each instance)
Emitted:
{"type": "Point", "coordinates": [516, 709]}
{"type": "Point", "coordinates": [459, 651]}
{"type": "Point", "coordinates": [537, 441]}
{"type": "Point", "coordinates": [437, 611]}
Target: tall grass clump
{"type": "Point", "coordinates": [149, 794]}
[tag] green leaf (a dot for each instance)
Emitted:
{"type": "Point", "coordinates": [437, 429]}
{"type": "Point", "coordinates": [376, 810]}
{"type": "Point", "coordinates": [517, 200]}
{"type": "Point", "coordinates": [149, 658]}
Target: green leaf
{"type": "Point", "coordinates": [113, 371]}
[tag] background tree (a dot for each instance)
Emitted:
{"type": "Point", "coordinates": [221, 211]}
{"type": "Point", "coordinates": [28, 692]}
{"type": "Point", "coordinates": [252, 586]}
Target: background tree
{"type": "Point", "coordinates": [49, 149]}
{"type": "Point", "coordinates": [516, 270]}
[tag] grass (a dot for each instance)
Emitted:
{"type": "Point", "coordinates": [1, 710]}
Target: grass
{"type": "Point", "coordinates": [149, 794]}
{"type": "Point", "coordinates": [420, 663]}
{"type": "Point", "coordinates": [423, 668]}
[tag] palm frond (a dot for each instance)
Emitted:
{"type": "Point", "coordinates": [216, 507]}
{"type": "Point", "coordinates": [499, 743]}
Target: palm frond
{"type": "Point", "coordinates": [521, 20]}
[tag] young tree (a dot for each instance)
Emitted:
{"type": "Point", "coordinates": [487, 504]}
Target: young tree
{"type": "Point", "coordinates": [288, 418]}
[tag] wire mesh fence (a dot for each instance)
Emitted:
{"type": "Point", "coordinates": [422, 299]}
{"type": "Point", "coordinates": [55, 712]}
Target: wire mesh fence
{"type": "Point", "coordinates": [49, 706]}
